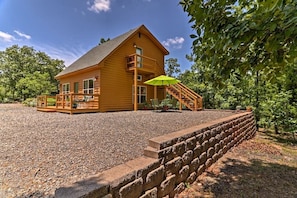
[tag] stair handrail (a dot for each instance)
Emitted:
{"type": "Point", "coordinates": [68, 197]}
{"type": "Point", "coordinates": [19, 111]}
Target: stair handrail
{"type": "Point", "coordinates": [189, 94]}
{"type": "Point", "coordinates": [189, 90]}
{"type": "Point", "coordinates": [183, 92]}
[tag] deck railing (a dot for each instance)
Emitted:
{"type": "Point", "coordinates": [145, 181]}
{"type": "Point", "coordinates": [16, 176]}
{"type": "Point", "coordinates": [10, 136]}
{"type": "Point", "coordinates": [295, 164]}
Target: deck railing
{"type": "Point", "coordinates": [142, 62]}
{"type": "Point", "coordinates": [69, 103]}
{"type": "Point", "coordinates": [77, 101]}
{"type": "Point", "coordinates": [46, 101]}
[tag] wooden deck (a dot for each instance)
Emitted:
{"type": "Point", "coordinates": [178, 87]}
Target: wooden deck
{"type": "Point", "coordinates": [47, 109]}
{"type": "Point", "coordinates": [69, 103]}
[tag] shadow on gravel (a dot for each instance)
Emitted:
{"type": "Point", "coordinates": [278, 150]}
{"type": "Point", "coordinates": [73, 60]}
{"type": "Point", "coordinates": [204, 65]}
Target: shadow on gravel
{"type": "Point", "coordinates": [96, 185]}
{"type": "Point", "coordinates": [253, 179]}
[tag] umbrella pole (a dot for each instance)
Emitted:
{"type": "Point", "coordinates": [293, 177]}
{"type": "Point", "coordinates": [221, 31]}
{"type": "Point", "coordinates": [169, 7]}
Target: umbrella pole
{"type": "Point", "coordinates": [155, 92]}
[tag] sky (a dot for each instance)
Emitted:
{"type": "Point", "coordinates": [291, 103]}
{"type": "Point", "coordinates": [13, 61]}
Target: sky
{"type": "Point", "coordinates": [66, 29]}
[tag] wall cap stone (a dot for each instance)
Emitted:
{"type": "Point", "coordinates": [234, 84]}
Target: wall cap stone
{"type": "Point", "coordinates": [170, 139]}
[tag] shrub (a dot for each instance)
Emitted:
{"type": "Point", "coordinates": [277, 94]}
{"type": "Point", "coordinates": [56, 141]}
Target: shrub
{"type": "Point", "coordinates": [51, 101]}
{"type": "Point", "coordinates": [30, 102]}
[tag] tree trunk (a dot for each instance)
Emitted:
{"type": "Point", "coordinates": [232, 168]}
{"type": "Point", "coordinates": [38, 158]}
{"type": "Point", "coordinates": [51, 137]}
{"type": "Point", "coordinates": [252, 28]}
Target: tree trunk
{"type": "Point", "coordinates": [276, 129]}
{"type": "Point", "coordinates": [257, 105]}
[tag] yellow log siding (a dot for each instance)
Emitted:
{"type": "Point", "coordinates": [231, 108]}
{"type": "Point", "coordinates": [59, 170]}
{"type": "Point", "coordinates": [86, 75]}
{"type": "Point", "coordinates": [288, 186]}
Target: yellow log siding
{"type": "Point", "coordinates": [117, 82]}
{"type": "Point", "coordinates": [80, 78]}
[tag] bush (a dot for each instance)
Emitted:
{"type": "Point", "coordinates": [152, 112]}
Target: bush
{"type": "Point", "coordinates": [51, 102]}
{"type": "Point", "coordinates": [30, 102]}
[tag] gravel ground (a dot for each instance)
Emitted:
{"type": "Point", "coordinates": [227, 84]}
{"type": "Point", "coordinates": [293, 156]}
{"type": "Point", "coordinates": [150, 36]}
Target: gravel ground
{"type": "Point", "coordinates": [40, 152]}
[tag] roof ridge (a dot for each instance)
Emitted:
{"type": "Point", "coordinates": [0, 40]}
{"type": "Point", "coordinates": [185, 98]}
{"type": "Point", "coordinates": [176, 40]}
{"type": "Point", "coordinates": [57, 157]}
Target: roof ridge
{"type": "Point", "coordinates": [96, 54]}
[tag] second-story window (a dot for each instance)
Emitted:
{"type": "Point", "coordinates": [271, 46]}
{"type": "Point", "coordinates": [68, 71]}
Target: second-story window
{"type": "Point", "coordinates": [139, 57]}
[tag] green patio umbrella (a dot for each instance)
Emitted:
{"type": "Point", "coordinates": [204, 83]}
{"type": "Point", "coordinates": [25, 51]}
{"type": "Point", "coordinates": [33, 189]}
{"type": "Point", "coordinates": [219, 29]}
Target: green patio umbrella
{"type": "Point", "coordinates": [162, 80]}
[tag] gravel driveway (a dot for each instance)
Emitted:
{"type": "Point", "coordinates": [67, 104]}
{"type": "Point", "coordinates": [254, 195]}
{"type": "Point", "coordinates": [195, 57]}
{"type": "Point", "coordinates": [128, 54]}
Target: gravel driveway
{"type": "Point", "coordinates": [40, 152]}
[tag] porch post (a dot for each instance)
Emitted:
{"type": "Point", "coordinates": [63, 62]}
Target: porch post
{"type": "Point", "coordinates": [135, 89]}
{"type": "Point", "coordinates": [45, 101]}
{"type": "Point", "coordinates": [155, 92]}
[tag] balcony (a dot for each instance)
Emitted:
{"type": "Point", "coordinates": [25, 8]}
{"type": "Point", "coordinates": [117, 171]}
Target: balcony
{"type": "Point", "coordinates": [142, 63]}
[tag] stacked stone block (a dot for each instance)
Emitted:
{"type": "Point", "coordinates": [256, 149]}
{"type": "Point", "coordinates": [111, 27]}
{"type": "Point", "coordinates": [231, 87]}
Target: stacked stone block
{"type": "Point", "coordinates": [170, 161]}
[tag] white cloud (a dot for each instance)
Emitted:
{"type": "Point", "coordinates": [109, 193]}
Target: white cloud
{"type": "Point", "coordinates": [6, 37]}
{"type": "Point", "coordinates": [176, 42]}
{"type": "Point", "coordinates": [99, 5]}
{"type": "Point", "coordinates": [67, 54]}
{"type": "Point", "coordinates": [22, 34]}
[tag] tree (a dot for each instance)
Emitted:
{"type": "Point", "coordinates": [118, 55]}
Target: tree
{"type": "Point", "coordinates": [172, 67]}
{"type": "Point", "coordinates": [35, 84]}
{"type": "Point", "coordinates": [247, 39]}
{"type": "Point", "coordinates": [103, 40]}
{"type": "Point", "coordinates": [25, 72]}
{"type": "Point", "coordinates": [240, 35]}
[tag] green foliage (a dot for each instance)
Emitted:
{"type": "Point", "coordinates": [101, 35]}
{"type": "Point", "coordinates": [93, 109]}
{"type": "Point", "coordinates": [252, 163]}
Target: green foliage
{"type": "Point", "coordinates": [26, 73]}
{"type": "Point", "coordinates": [245, 53]}
{"type": "Point", "coordinates": [103, 40]}
{"type": "Point", "coordinates": [51, 101]}
{"type": "Point", "coordinates": [244, 36]}
{"type": "Point", "coordinates": [172, 67]}
{"type": "Point", "coordinates": [30, 102]}
{"type": "Point", "coordinates": [188, 185]}
{"type": "Point", "coordinates": [276, 99]}
{"type": "Point", "coordinates": [35, 84]}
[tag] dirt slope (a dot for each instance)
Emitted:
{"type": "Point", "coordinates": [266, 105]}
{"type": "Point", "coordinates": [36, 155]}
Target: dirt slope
{"type": "Point", "coordinates": [265, 166]}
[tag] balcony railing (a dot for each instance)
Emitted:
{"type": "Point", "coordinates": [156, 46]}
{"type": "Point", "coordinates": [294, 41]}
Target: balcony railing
{"type": "Point", "coordinates": [143, 63]}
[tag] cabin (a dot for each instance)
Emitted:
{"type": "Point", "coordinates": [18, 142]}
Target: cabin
{"type": "Point", "coordinates": [111, 76]}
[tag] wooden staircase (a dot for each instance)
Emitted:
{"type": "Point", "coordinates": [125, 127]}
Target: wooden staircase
{"type": "Point", "coordinates": [185, 96]}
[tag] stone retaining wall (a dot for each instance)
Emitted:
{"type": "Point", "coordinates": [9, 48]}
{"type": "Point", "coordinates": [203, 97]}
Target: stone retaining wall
{"type": "Point", "coordinates": [168, 163]}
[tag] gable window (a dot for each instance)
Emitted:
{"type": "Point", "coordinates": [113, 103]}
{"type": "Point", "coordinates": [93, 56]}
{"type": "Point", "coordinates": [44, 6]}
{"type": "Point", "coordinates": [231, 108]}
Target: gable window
{"type": "Point", "coordinates": [88, 86]}
{"type": "Point", "coordinates": [141, 94]}
{"type": "Point", "coordinates": [66, 88]}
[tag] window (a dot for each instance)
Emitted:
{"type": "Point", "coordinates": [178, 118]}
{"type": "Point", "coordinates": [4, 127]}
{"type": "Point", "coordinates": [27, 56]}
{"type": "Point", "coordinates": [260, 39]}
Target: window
{"type": "Point", "coordinates": [141, 94]}
{"type": "Point", "coordinates": [76, 87]}
{"type": "Point", "coordinates": [66, 88]}
{"type": "Point", "coordinates": [139, 77]}
{"type": "Point", "coordinates": [139, 58]}
{"type": "Point", "coordinates": [89, 86]}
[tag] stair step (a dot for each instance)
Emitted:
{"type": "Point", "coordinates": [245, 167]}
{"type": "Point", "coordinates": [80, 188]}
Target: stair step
{"type": "Point", "coordinates": [174, 91]}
